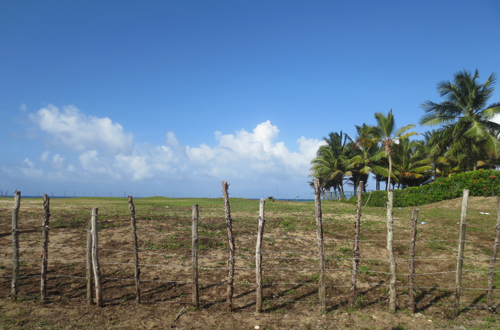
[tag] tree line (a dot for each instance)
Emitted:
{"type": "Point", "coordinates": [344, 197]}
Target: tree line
{"type": "Point", "coordinates": [465, 139]}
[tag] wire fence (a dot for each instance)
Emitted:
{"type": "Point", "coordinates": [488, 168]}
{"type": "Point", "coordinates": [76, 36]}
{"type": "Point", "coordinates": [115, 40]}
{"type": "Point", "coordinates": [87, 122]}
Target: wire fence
{"type": "Point", "coordinates": [167, 280]}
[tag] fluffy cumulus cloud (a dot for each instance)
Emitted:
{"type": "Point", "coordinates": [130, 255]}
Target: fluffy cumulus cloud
{"type": "Point", "coordinates": [98, 149]}
{"type": "Point", "coordinates": [80, 132]}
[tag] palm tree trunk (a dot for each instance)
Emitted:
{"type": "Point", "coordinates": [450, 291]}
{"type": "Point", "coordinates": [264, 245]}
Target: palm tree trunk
{"type": "Point", "coordinates": [390, 169]}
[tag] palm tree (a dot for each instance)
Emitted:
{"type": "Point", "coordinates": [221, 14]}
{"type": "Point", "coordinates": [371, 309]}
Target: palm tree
{"type": "Point", "coordinates": [330, 164]}
{"type": "Point", "coordinates": [411, 164]}
{"type": "Point", "coordinates": [467, 127]}
{"type": "Point", "coordinates": [365, 158]}
{"type": "Point", "coordinates": [386, 133]}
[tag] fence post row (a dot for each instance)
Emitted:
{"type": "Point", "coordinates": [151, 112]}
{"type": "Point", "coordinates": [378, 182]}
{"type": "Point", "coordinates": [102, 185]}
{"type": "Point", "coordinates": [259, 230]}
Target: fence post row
{"type": "Point", "coordinates": [137, 271]}
{"type": "Point", "coordinates": [230, 239]}
{"type": "Point", "coordinates": [494, 256]}
{"type": "Point", "coordinates": [321, 246]}
{"type": "Point", "coordinates": [45, 246]}
{"type": "Point", "coordinates": [15, 245]}
{"type": "Point", "coordinates": [390, 249]}
{"type": "Point", "coordinates": [194, 249]}
{"type": "Point", "coordinates": [258, 256]}
{"type": "Point", "coordinates": [95, 259]}
{"type": "Point", "coordinates": [411, 257]}
{"type": "Point", "coordinates": [355, 249]}
{"type": "Point", "coordinates": [461, 245]}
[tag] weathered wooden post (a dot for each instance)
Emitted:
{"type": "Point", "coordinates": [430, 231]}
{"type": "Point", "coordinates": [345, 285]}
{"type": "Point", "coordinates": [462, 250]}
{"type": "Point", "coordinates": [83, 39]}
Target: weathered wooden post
{"type": "Point", "coordinates": [230, 239]}
{"type": "Point", "coordinates": [15, 245]}
{"type": "Point", "coordinates": [45, 247]}
{"type": "Point", "coordinates": [411, 259]}
{"type": "Point", "coordinates": [137, 271]}
{"type": "Point", "coordinates": [194, 249]}
{"type": "Point", "coordinates": [461, 245]}
{"type": "Point", "coordinates": [355, 249]}
{"type": "Point", "coordinates": [321, 246]}
{"type": "Point", "coordinates": [90, 286]}
{"type": "Point", "coordinates": [95, 259]}
{"type": "Point", "coordinates": [494, 256]}
{"type": "Point", "coordinates": [258, 256]}
{"type": "Point", "coordinates": [390, 249]}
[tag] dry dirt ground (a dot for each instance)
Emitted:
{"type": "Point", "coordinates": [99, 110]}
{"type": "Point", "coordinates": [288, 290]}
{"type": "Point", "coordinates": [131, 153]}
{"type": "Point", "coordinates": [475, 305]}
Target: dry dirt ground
{"type": "Point", "coordinates": [289, 266]}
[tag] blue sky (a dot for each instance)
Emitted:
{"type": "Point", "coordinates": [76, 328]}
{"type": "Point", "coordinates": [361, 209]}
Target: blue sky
{"type": "Point", "coordinates": [172, 97]}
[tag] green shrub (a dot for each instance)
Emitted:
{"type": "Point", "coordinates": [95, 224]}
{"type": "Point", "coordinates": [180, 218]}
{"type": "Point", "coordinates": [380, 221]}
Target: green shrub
{"type": "Point", "coordinates": [479, 183]}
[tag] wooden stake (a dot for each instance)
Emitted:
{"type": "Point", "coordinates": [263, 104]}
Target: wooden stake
{"type": "Point", "coordinates": [494, 256]}
{"type": "Point", "coordinates": [90, 284]}
{"type": "Point", "coordinates": [230, 239]}
{"type": "Point", "coordinates": [137, 271]}
{"type": "Point", "coordinates": [194, 249]}
{"type": "Point", "coordinates": [258, 256]}
{"type": "Point", "coordinates": [461, 245]}
{"type": "Point", "coordinates": [411, 257]}
{"type": "Point", "coordinates": [321, 246]}
{"type": "Point", "coordinates": [355, 249]}
{"type": "Point", "coordinates": [15, 245]}
{"type": "Point", "coordinates": [95, 259]}
{"type": "Point", "coordinates": [45, 247]}
{"type": "Point", "coordinates": [390, 249]}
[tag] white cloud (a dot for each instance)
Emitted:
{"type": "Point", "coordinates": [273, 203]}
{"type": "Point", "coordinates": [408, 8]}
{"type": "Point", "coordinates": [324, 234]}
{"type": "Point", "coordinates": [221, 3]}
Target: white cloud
{"type": "Point", "coordinates": [29, 170]}
{"type": "Point", "coordinates": [23, 108]}
{"type": "Point", "coordinates": [44, 156]}
{"type": "Point", "coordinates": [58, 161]}
{"type": "Point", "coordinates": [93, 164]}
{"type": "Point", "coordinates": [80, 132]}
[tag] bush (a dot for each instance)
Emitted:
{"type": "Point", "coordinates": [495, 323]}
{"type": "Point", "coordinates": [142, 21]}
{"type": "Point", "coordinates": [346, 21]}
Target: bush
{"type": "Point", "coordinates": [479, 183]}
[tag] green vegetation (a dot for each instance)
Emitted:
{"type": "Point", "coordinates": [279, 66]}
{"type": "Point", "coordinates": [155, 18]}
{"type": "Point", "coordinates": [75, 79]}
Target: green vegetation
{"type": "Point", "coordinates": [467, 140]}
{"type": "Point", "coordinates": [480, 183]}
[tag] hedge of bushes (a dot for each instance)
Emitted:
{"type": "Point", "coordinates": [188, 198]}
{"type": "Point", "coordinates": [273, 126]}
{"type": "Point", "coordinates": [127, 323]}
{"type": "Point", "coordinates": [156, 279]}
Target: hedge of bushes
{"type": "Point", "coordinates": [479, 183]}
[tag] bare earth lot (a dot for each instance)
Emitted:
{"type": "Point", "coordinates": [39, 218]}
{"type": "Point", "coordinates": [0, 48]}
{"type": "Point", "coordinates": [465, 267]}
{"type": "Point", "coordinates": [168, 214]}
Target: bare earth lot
{"type": "Point", "coordinates": [289, 266]}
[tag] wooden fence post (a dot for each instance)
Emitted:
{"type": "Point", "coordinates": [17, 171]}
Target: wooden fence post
{"type": "Point", "coordinates": [321, 246]}
{"type": "Point", "coordinates": [194, 249]}
{"type": "Point", "coordinates": [230, 239]}
{"type": "Point", "coordinates": [45, 246]}
{"type": "Point", "coordinates": [461, 245]}
{"type": "Point", "coordinates": [494, 256]}
{"type": "Point", "coordinates": [258, 256]}
{"type": "Point", "coordinates": [390, 249]}
{"type": "Point", "coordinates": [15, 245]}
{"type": "Point", "coordinates": [355, 249]}
{"type": "Point", "coordinates": [90, 287]}
{"type": "Point", "coordinates": [411, 257]}
{"type": "Point", "coordinates": [137, 271]}
{"type": "Point", "coordinates": [95, 259]}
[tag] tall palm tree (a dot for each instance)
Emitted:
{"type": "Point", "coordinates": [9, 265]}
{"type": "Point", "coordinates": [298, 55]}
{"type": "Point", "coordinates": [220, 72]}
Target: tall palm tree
{"type": "Point", "coordinates": [386, 134]}
{"type": "Point", "coordinates": [466, 120]}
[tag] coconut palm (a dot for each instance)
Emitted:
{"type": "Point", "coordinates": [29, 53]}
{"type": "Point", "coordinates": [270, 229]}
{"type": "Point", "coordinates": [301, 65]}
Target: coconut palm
{"type": "Point", "coordinates": [411, 164]}
{"type": "Point", "coordinates": [467, 127]}
{"type": "Point", "coordinates": [386, 134]}
{"type": "Point", "coordinates": [330, 164]}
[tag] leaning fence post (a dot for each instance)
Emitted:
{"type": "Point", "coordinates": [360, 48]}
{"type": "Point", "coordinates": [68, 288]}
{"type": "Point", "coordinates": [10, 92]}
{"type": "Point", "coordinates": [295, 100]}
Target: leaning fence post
{"type": "Point", "coordinates": [494, 256]}
{"type": "Point", "coordinates": [230, 239]}
{"type": "Point", "coordinates": [194, 249]}
{"type": "Point", "coordinates": [45, 246]}
{"type": "Point", "coordinates": [321, 246]}
{"type": "Point", "coordinates": [258, 256]}
{"type": "Point", "coordinates": [411, 259]}
{"type": "Point", "coordinates": [95, 259]}
{"type": "Point", "coordinates": [461, 245]}
{"type": "Point", "coordinates": [90, 289]}
{"type": "Point", "coordinates": [355, 252]}
{"type": "Point", "coordinates": [390, 249]}
{"type": "Point", "coordinates": [15, 245]}
{"type": "Point", "coordinates": [137, 271]}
